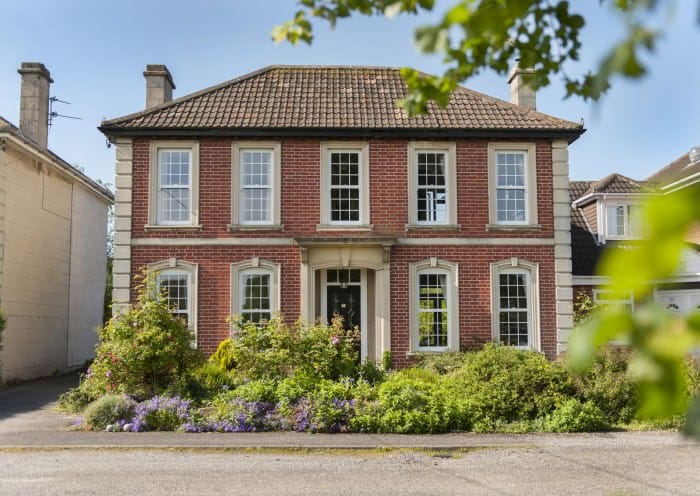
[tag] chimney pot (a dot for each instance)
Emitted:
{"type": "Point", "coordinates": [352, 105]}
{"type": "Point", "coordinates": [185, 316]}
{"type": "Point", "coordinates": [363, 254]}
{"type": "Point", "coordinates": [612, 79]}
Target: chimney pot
{"type": "Point", "coordinates": [159, 85]}
{"type": "Point", "coordinates": [520, 91]}
{"type": "Point", "coordinates": [34, 102]}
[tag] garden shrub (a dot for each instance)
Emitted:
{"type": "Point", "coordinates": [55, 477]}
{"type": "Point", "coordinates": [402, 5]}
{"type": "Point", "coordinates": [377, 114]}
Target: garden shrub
{"type": "Point", "coordinates": [608, 385]}
{"type": "Point", "coordinates": [443, 363]}
{"type": "Point", "coordinates": [254, 353]}
{"type": "Point", "coordinates": [573, 416]}
{"type": "Point", "coordinates": [161, 413]}
{"type": "Point", "coordinates": [409, 401]}
{"type": "Point", "coordinates": [142, 352]}
{"type": "Point", "coordinates": [75, 400]}
{"type": "Point", "coordinates": [503, 384]}
{"type": "Point", "coordinates": [275, 351]}
{"type": "Point", "coordinates": [108, 409]}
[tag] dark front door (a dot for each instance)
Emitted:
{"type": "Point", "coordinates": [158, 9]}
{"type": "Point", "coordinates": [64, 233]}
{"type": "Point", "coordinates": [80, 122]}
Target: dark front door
{"type": "Point", "coordinates": [345, 302]}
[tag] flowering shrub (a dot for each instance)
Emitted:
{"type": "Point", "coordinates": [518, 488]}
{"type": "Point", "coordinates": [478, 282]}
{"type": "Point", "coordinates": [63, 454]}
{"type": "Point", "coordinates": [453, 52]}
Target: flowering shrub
{"type": "Point", "coordinates": [142, 352]}
{"type": "Point", "coordinates": [161, 413]}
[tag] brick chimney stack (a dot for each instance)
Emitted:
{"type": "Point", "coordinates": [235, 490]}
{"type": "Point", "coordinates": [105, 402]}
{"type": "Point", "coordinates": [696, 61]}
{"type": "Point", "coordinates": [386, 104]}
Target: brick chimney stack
{"type": "Point", "coordinates": [520, 92]}
{"type": "Point", "coordinates": [159, 85]}
{"type": "Point", "coordinates": [34, 102]}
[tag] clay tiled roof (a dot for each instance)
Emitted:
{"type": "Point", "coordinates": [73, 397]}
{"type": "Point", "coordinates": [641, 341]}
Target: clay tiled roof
{"type": "Point", "coordinates": [677, 170]}
{"type": "Point", "coordinates": [312, 97]}
{"type": "Point", "coordinates": [585, 251]}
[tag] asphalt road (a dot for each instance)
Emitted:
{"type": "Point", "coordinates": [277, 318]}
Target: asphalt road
{"type": "Point", "coordinates": [556, 470]}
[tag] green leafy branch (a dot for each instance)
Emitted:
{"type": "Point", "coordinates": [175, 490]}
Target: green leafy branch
{"type": "Point", "coordinates": [489, 34]}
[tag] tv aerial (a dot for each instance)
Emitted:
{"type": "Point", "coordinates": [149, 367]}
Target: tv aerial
{"type": "Point", "coordinates": [53, 114]}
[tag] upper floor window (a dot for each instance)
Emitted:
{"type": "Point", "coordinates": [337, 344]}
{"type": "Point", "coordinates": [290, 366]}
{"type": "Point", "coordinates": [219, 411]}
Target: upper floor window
{"type": "Point", "coordinates": [622, 221]}
{"type": "Point", "coordinates": [256, 184]}
{"type": "Point", "coordinates": [254, 290]}
{"type": "Point", "coordinates": [174, 184]}
{"type": "Point", "coordinates": [514, 303]}
{"type": "Point", "coordinates": [345, 184]}
{"type": "Point", "coordinates": [513, 187]}
{"type": "Point", "coordinates": [432, 184]}
{"type": "Point", "coordinates": [434, 314]}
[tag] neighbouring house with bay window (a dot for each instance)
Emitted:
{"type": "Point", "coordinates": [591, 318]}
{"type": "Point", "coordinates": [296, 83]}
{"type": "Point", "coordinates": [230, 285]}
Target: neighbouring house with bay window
{"type": "Point", "coordinates": [306, 191]}
{"type": "Point", "coordinates": [606, 213]}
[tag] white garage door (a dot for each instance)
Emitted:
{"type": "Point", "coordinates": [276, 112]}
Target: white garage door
{"type": "Point", "coordinates": [681, 302]}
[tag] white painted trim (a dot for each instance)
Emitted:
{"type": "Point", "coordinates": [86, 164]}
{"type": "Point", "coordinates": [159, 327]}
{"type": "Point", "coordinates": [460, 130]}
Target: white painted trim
{"type": "Point", "coordinates": [362, 148]}
{"type": "Point", "coordinates": [192, 269]}
{"type": "Point", "coordinates": [590, 280]}
{"type": "Point", "coordinates": [153, 181]}
{"type": "Point", "coordinates": [680, 184]}
{"type": "Point", "coordinates": [450, 151]}
{"type": "Point", "coordinates": [529, 149]}
{"type": "Point", "coordinates": [212, 242]}
{"type": "Point", "coordinates": [280, 241]}
{"type": "Point", "coordinates": [255, 265]}
{"type": "Point", "coordinates": [532, 270]}
{"type": "Point", "coordinates": [475, 241]}
{"type": "Point", "coordinates": [434, 265]}
{"type": "Point", "coordinates": [275, 148]}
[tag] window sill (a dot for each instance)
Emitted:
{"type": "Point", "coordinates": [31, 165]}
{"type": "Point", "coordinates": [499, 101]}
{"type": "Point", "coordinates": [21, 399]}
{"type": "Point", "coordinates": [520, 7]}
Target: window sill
{"type": "Point", "coordinates": [174, 227]}
{"type": "Point", "coordinates": [433, 227]}
{"type": "Point", "coordinates": [343, 227]}
{"type": "Point", "coordinates": [253, 227]}
{"type": "Point", "coordinates": [514, 227]}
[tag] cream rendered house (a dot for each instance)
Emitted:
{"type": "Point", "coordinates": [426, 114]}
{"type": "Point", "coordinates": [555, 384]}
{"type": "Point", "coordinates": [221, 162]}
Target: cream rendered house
{"type": "Point", "coordinates": [53, 237]}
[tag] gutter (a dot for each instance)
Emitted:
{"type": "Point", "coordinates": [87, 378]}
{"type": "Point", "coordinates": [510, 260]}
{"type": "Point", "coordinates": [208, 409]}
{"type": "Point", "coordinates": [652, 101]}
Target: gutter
{"type": "Point", "coordinates": [417, 133]}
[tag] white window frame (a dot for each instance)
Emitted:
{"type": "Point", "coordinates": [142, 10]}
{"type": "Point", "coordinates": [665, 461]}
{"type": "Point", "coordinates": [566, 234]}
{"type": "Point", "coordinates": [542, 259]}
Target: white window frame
{"type": "Point", "coordinates": [362, 149]}
{"type": "Point", "coordinates": [176, 266]}
{"type": "Point", "coordinates": [434, 265]}
{"type": "Point", "coordinates": [154, 184]}
{"type": "Point", "coordinates": [275, 150]}
{"type": "Point", "coordinates": [622, 299]}
{"type": "Point", "coordinates": [530, 179]}
{"type": "Point", "coordinates": [515, 265]}
{"type": "Point", "coordinates": [605, 206]}
{"type": "Point", "coordinates": [254, 266]}
{"type": "Point", "coordinates": [449, 150]}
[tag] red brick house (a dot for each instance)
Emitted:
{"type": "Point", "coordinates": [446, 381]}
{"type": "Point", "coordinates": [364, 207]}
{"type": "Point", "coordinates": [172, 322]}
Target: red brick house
{"type": "Point", "coordinates": [305, 190]}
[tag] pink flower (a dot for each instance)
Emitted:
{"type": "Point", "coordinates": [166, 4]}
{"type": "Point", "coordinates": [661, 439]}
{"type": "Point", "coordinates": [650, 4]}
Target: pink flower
{"type": "Point", "coordinates": [335, 340]}
{"type": "Point", "coordinates": [108, 373]}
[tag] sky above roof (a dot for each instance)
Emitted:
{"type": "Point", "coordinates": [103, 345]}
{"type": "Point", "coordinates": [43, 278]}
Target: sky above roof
{"type": "Point", "coordinates": [97, 51]}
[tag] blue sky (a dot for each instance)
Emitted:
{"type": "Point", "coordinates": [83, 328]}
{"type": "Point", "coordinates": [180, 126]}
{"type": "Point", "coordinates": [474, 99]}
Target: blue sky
{"type": "Point", "coordinates": [97, 50]}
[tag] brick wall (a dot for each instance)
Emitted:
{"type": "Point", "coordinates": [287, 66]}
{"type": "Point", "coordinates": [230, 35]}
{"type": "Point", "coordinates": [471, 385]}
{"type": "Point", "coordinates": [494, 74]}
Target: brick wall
{"type": "Point", "coordinates": [389, 215]}
{"type": "Point", "coordinates": [301, 190]}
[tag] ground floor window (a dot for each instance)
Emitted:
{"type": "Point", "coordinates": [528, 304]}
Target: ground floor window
{"type": "Point", "coordinates": [254, 290]}
{"type": "Point", "coordinates": [434, 306]}
{"type": "Point", "coordinates": [514, 306]}
{"type": "Point", "coordinates": [177, 282]}
{"type": "Point", "coordinates": [175, 286]}
{"type": "Point", "coordinates": [606, 297]}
